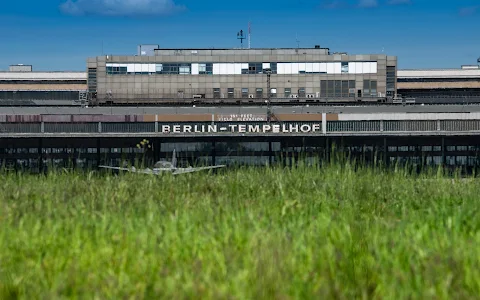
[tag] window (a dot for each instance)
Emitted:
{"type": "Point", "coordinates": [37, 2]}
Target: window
{"type": "Point", "coordinates": [366, 88]}
{"type": "Point", "coordinates": [205, 68]}
{"type": "Point", "coordinates": [373, 88]}
{"type": "Point", "coordinates": [301, 92]}
{"type": "Point", "coordinates": [231, 93]}
{"type": "Point", "coordinates": [351, 88]}
{"type": "Point", "coordinates": [92, 79]}
{"type": "Point", "coordinates": [259, 93]}
{"type": "Point", "coordinates": [116, 70]}
{"type": "Point", "coordinates": [323, 88]}
{"type": "Point", "coordinates": [273, 93]}
{"type": "Point", "coordinates": [344, 88]}
{"type": "Point", "coordinates": [330, 88]}
{"type": "Point", "coordinates": [288, 92]}
{"type": "Point", "coordinates": [344, 67]}
{"type": "Point", "coordinates": [391, 78]}
{"type": "Point", "coordinates": [273, 67]}
{"type": "Point", "coordinates": [244, 92]}
{"type": "Point", "coordinates": [255, 68]}
{"type": "Point", "coordinates": [184, 69]}
{"type": "Point", "coordinates": [338, 88]}
{"type": "Point", "coordinates": [216, 93]}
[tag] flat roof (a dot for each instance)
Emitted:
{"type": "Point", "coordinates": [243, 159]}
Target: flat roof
{"type": "Point", "coordinates": [439, 73]}
{"type": "Point", "coordinates": [292, 48]}
{"type": "Point", "coordinates": [301, 109]}
{"type": "Point", "coordinates": [55, 75]}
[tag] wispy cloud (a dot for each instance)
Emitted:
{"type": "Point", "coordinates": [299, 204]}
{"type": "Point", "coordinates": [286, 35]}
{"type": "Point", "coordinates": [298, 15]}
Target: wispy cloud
{"type": "Point", "coordinates": [335, 4]}
{"type": "Point", "coordinates": [120, 7]}
{"type": "Point", "coordinates": [468, 11]}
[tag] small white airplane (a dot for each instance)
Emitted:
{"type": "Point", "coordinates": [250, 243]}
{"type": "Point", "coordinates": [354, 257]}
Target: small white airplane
{"type": "Point", "coordinates": [163, 166]}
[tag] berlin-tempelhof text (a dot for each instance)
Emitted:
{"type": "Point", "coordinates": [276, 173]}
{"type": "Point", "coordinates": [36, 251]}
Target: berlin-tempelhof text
{"type": "Point", "coordinates": [242, 128]}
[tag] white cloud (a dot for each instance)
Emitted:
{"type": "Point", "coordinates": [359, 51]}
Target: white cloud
{"type": "Point", "coordinates": [120, 7]}
{"type": "Point", "coordinates": [368, 3]}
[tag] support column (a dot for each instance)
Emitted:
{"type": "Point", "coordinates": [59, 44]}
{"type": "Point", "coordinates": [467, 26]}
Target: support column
{"type": "Point", "coordinates": [270, 153]}
{"type": "Point", "coordinates": [98, 152]}
{"type": "Point", "coordinates": [327, 150]}
{"type": "Point", "coordinates": [324, 123]}
{"type": "Point", "coordinates": [213, 153]}
{"type": "Point", "coordinates": [385, 152]}
{"type": "Point", "coordinates": [40, 156]}
{"type": "Point", "coordinates": [443, 152]}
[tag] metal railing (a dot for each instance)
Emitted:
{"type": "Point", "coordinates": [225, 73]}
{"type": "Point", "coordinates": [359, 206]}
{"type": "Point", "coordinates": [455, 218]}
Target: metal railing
{"type": "Point", "coordinates": [377, 126]}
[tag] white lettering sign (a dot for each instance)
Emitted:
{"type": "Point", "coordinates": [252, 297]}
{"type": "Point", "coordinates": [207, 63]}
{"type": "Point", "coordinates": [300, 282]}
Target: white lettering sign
{"type": "Point", "coordinates": [241, 118]}
{"type": "Point", "coordinates": [243, 128]}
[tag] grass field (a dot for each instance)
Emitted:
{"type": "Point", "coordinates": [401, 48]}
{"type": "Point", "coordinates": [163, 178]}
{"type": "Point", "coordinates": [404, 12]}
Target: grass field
{"type": "Point", "coordinates": [313, 233]}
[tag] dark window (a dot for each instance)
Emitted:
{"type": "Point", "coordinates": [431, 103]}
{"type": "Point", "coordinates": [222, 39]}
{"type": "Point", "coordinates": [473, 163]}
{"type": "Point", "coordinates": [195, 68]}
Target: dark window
{"type": "Point", "coordinates": [301, 92]}
{"type": "Point", "coordinates": [273, 67]}
{"type": "Point", "coordinates": [288, 92]}
{"type": "Point", "coordinates": [244, 92]}
{"type": "Point", "coordinates": [330, 88]}
{"type": "Point", "coordinates": [344, 88]}
{"type": "Point", "coordinates": [338, 88]}
{"type": "Point", "coordinates": [216, 93]}
{"type": "Point", "coordinates": [259, 93]}
{"type": "Point", "coordinates": [366, 88]}
{"type": "Point", "coordinates": [231, 93]}
{"type": "Point", "coordinates": [323, 88]}
{"type": "Point", "coordinates": [92, 79]}
{"type": "Point", "coordinates": [373, 88]}
{"type": "Point", "coordinates": [391, 78]}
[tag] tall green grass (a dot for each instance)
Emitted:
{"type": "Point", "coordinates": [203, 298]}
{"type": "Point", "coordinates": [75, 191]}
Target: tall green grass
{"type": "Point", "coordinates": [335, 231]}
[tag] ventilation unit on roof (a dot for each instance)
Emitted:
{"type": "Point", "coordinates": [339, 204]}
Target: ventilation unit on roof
{"type": "Point", "coordinates": [317, 46]}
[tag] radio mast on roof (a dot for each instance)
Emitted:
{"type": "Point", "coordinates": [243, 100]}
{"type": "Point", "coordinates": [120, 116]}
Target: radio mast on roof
{"type": "Point", "coordinates": [249, 34]}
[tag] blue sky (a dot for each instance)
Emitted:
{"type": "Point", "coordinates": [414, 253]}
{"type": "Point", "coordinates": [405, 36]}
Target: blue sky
{"type": "Point", "coordinates": [61, 34]}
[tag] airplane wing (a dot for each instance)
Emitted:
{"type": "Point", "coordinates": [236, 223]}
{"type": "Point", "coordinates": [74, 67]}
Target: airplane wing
{"type": "Point", "coordinates": [191, 170]}
{"type": "Point", "coordinates": [118, 168]}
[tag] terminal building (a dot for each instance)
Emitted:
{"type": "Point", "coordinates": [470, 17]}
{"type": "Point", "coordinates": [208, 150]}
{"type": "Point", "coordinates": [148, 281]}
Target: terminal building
{"type": "Point", "coordinates": [20, 85]}
{"type": "Point", "coordinates": [447, 84]}
{"type": "Point", "coordinates": [245, 75]}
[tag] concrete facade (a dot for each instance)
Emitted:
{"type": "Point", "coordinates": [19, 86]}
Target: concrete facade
{"type": "Point", "coordinates": [240, 74]}
{"type": "Point", "coordinates": [453, 83]}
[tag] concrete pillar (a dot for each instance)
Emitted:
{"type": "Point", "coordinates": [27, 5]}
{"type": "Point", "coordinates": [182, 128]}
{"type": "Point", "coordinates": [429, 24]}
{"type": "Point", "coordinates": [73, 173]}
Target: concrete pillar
{"type": "Point", "coordinates": [327, 149]}
{"type": "Point", "coordinates": [40, 155]}
{"type": "Point", "coordinates": [214, 154]}
{"type": "Point", "coordinates": [443, 152]}
{"type": "Point", "coordinates": [385, 151]}
{"type": "Point", "coordinates": [324, 123]}
{"type": "Point", "coordinates": [98, 152]}
{"type": "Point", "coordinates": [270, 153]}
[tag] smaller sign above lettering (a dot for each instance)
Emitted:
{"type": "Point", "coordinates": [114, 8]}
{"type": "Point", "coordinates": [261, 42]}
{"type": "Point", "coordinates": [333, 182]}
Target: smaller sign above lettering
{"type": "Point", "coordinates": [241, 118]}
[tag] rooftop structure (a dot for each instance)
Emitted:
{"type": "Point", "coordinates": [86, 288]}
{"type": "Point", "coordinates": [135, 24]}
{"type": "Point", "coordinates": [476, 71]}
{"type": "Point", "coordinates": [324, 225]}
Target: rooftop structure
{"type": "Point", "coordinates": [451, 83]}
{"type": "Point", "coordinates": [240, 75]}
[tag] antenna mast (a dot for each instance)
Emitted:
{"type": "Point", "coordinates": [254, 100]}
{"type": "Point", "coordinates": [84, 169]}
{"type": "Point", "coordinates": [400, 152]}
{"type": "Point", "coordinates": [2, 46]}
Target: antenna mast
{"type": "Point", "coordinates": [249, 34]}
{"type": "Point", "coordinates": [296, 38]}
{"type": "Point", "coordinates": [241, 37]}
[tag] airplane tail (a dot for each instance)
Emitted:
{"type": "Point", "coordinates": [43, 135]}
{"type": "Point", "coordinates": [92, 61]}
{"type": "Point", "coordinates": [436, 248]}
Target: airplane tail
{"type": "Point", "coordinates": [174, 159]}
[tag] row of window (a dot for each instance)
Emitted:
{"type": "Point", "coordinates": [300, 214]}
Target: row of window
{"type": "Point", "coordinates": [328, 88]}
{"type": "Point", "coordinates": [243, 68]}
